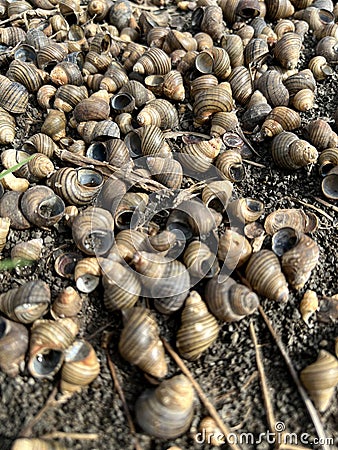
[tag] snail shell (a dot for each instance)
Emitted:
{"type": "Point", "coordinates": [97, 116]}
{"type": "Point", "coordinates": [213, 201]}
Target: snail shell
{"type": "Point", "coordinates": [212, 433]}
{"type": "Point", "coordinates": [234, 249]}
{"type": "Point", "coordinates": [13, 346]}
{"type": "Point", "coordinates": [284, 26]}
{"type": "Point", "coordinates": [308, 305]}
{"type": "Point", "coordinates": [229, 163]}
{"type": "Point", "coordinates": [264, 274]}
{"type": "Point", "coordinates": [129, 209]}
{"type": "Point", "coordinates": [68, 96]}
{"type": "Point", "coordinates": [321, 134]}
{"type": "Point", "coordinates": [241, 84]}
{"type": "Point", "coordinates": [76, 186]}
{"type": "Point", "coordinates": [67, 304]}
{"type": "Point", "coordinates": [291, 218]}
{"type": "Point", "coordinates": [320, 379]}
{"type": "Point", "coordinates": [96, 62]}
{"type": "Point", "coordinates": [280, 119]}
{"type": "Point", "coordinates": [102, 130]}
{"type": "Point", "coordinates": [202, 83]}
{"type": "Point", "coordinates": [122, 287]}
{"type": "Point", "coordinates": [212, 101]}
{"type": "Point", "coordinates": [26, 303]}
{"type": "Point", "coordinates": [42, 207]}
{"type": "Point", "coordinates": [141, 94]}
{"type": "Point", "coordinates": [222, 122]}
{"type": "Point", "coordinates": [320, 68]}
{"type": "Point", "coordinates": [27, 74]}
{"type": "Point", "coordinates": [153, 61]}
{"type": "Point", "coordinates": [4, 230]}
{"type": "Point", "coordinates": [204, 41]}
{"type": "Point", "coordinates": [44, 96]}
{"type": "Point", "coordinates": [87, 274]}
{"type": "Point", "coordinates": [40, 143]}
{"type": "Point", "coordinates": [288, 151]}
{"type": "Point", "coordinates": [13, 183]}
{"type": "Point", "coordinates": [55, 124]}
{"type": "Point", "coordinates": [199, 328]}
{"type": "Point", "coordinates": [200, 260]}
{"type": "Point", "coordinates": [212, 22]}
{"type": "Point", "coordinates": [257, 110]}
{"type": "Point", "coordinates": [230, 301]}
{"type": "Point", "coordinates": [27, 251]}
{"type": "Point", "coordinates": [173, 87]}
{"type": "Point", "coordinates": [330, 184]}
{"type": "Point", "coordinates": [299, 254]}
{"type": "Point", "coordinates": [36, 444]}
{"type": "Point", "coordinates": [255, 51]}
{"type": "Point", "coordinates": [199, 156]}
{"type": "Point", "coordinates": [328, 309]}
{"type": "Point", "coordinates": [168, 172]}
{"type": "Point", "coordinates": [50, 54]}
{"type": "Point", "coordinates": [287, 50]}
{"type": "Point", "coordinates": [176, 40]}
{"type": "Point", "coordinates": [279, 9]}
{"type": "Point", "coordinates": [166, 280]}
{"type": "Point", "coordinates": [13, 96]}
{"type": "Point", "coordinates": [49, 339]}
{"type": "Point", "coordinates": [11, 36]}
{"type": "Point", "coordinates": [10, 207]}
{"type": "Point", "coordinates": [327, 47]}
{"type": "Point", "coordinates": [233, 45]}
{"type": "Point", "coordinates": [246, 209]}
{"type": "Point", "coordinates": [216, 195]}
{"type": "Point", "coordinates": [81, 366]}
{"type": "Point", "coordinates": [303, 100]}
{"type": "Point", "coordinates": [158, 112]}
{"type": "Point", "coordinates": [140, 343]}
{"type": "Point", "coordinates": [167, 411]}
{"type": "Point", "coordinates": [327, 160]}
{"type": "Point", "coordinates": [147, 140]}
{"type": "Point", "coordinates": [117, 153]}
{"type": "Point", "coordinates": [128, 242]}
{"type": "Point", "coordinates": [271, 86]}
{"type": "Point", "coordinates": [92, 231]}
{"type": "Point", "coordinates": [99, 9]}
{"type": "Point", "coordinates": [7, 127]}
{"type": "Point", "coordinates": [96, 107]}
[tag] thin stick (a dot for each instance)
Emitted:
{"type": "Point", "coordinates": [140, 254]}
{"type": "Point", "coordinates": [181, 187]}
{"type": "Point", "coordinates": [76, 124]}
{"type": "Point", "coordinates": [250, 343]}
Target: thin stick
{"type": "Point", "coordinates": [264, 385]}
{"type": "Point", "coordinates": [30, 12]}
{"type": "Point", "coordinates": [311, 409]}
{"type": "Point", "coordinates": [253, 163]}
{"type": "Point", "coordinates": [175, 134]}
{"type": "Point", "coordinates": [323, 213]}
{"type": "Point", "coordinates": [209, 406]}
{"type": "Point", "coordinates": [120, 392]}
{"type": "Point", "coordinates": [63, 434]}
{"type": "Point", "coordinates": [323, 202]}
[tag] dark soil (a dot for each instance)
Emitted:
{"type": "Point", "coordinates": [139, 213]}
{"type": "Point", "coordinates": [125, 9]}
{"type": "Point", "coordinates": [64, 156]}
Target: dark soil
{"type": "Point", "coordinates": [227, 372]}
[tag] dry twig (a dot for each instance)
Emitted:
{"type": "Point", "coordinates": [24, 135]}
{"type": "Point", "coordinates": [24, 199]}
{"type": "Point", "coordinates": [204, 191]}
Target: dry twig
{"type": "Point", "coordinates": [208, 405]}
{"type": "Point", "coordinates": [323, 202]}
{"type": "Point", "coordinates": [63, 435]}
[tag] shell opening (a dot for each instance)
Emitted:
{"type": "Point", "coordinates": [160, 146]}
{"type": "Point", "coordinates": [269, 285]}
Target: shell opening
{"type": "Point", "coordinates": [97, 151]}
{"type": "Point", "coordinates": [89, 178]}
{"type": "Point", "coordinates": [99, 241]}
{"type": "Point", "coordinates": [123, 102]}
{"type": "Point", "coordinates": [283, 240]}
{"type": "Point", "coordinates": [3, 327]}
{"type": "Point", "coordinates": [51, 207]}
{"type": "Point", "coordinates": [237, 172]}
{"type": "Point", "coordinates": [47, 363]}
{"type": "Point", "coordinates": [133, 142]}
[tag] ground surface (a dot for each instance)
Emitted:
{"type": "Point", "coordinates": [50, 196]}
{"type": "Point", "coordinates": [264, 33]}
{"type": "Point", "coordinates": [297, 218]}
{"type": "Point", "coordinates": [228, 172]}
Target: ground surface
{"type": "Point", "coordinates": [227, 372]}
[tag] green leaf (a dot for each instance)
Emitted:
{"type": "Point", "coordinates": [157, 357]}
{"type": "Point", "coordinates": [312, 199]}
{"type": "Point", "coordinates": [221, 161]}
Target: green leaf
{"type": "Point", "coordinates": [16, 167]}
{"type": "Point", "coordinates": [9, 264]}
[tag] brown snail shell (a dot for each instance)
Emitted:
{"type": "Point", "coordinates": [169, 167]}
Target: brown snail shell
{"type": "Point", "coordinates": [123, 103]}
{"type": "Point", "coordinates": [147, 140]}
{"type": "Point", "coordinates": [55, 124]}
{"type": "Point", "coordinates": [7, 127]}
{"type": "Point", "coordinates": [158, 112]}
{"type": "Point", "coordinates": [155, 83]}
{"type": "Point", "coordinates": [68, 96]}
{"type": "Point", "coordinates": [129, 209]}
{"type": "Point", "coordinates": [255, 51]}
{"type": "Point", "coordinates": [13, 96]}
{"type": "Point", "coordinates": [327, 160]}
{"type": "Point", "coordinates": [299, 81]}
{"type": "Point", "coordinates": [76, 186]}
{"type": "Point", "coordinates": [200, 261]}
{"type": "Point", "coordinates": [102, 130]}
{"type": "Point", "coordinates": [279, 9]}
{"type": "Point", "coordinates": [176, 40]}
{"type": "Point", "coordinates": [280, 119]}
{"type": "Point", "coordinates": [211, 431]}
{"type": "Point", "coordinates": [87, 274]}
{"type": "Point", "coordinates": [141, 94]}
{"type": "Point", "coordinates": [4, 230]}
{"type": "Point", "coordinates": [321, 135]}
{"type": "Point", "coordinates": [204, 41]}
{"type": "Point", "coordinates": [199, 328]}
{"type": "Point", "coordinates": [13, 346]}
{"type": "Point", "coordinates": [199, 156]}
{"type": "Point", "coordinates": [27, 74]}
{"type": "Point", "coordinates": [241, 84]}
{"type": "Point", "coordinates": [229, 163]}
{"type": "Point", "coordinates": [246, 209]}
{"type": "Point", "coordinates": [173, 87]}
{"type": "Point", "coordinates": [212, 101]}
{"type": "Point", "coordinates": [96, 62]}
{"type": "Point", "coordinates": [67, 304]}
{"type": "Point", "coordinates": [122, 287]}
{"type": "Point", "coordinates": [320, 68]}
{"type": "Point", "coordinates": [330, 29]}
{"type": "Point", "coordinates": [115, 77]}
{"type": "Point", "coordinates": [131, 55]}
{"type": "Point", "coordinates": [222, 122]}
{"type": "Point", "coordinates": [45, 95]}
{"type": "Point", "coordinates": [257, 110]}
{"type": "Point", "coordinates": [161, 242]}
{"type": "Point", "coordinates": [117, 152]}
{"type": "Point", "coordinates": [171, 404]}
{"type": "Point", "coordinates": [287, 50]}
{"type": "Point", "coordinates": [317, 18]}
{"type": "Point", "coordinates": [233, 45]}
{"type": "Point", "coordinates": [11, 36]}
{"type": "Point", "coordinates": [128, 242]}
{"type": "Point", "coordinates": [327, 47]}
{"type": "Point", "coordinates": [303, 100]}
{"type": "Point", "coordinates": [70, 213]}
{"type": "Point", "coordinates": [320, 379]}
{"type": "Point", "coordinates": [35, 443]}
{"type": "Point", "coordinates": [308, 305]}
{"type": "Point", "coordinates": [166, 280]}
{"type": "Point", "coordinates": [217, 194]}
{"type": "Point", "coordinates": [234, 249]}
{"type": "Point", "coordinates": [13, 183]}
{"type": "Point", "coordinates": [26, 303]}
{"type": "Point", "coordinates": [264, 274]}
{"type": "Point", "coordinates": [153, 61]}
{"type": "Point", "coordinates": [288, 151]}
{"type": "Point", "coordinates": [10, 207]}
{"type": "Point", "coordinates": [49, 339]}
{"type": "Point", "coordinates": [168, 172]}
{"type": "Point", "coordinates": [51, 54]}
{"type": "Point", "coordinates": [81, 366]}
{"type": "Point", "coordinates": [230, 301]}
{"type": "Point", "coordinates": [96, 107]}
{"type": "Point", "coordinates": [99, 9]}
{"type": "Point", "coordinates": [284, 26]}
{"type": "Point", "coordinates": [42, 207]}
{"type": "Point", "coordinates": [140, 343]}
{"type": "Point", "coordinates": [212, 22]}
{"type": "Point", "coordinates": [40, 143]}
{"type": "Point", "coordinates": [201, 83]}
{"type": "Point", "coordinates": [27, 251]}
{"type": "Point", "coordinates": [330, 184]}
{"type": "Point", "coordinates": [292, 218]}
{"type": "Point", "coordinates": [92, 231]}
{"type": "Point", "coordinates": [271, 86]}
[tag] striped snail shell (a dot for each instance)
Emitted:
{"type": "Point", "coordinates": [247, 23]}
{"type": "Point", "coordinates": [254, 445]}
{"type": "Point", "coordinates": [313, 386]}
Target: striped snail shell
{"type": "Point", "coordinates": [230, 301]}
{"type": "Point", "coordinates": [299, 253]}
{"type": "Point", "coordinates": [200, 219]}
{"type": "Point", "coordinates": [168, 172]}
{"type": "Point", "coordinates": [92, 231]}
{"type": "Point", "coordinates": [320, 379]}
{"type": "Point", "coordinates": [76, 186]}
{"type": "Point", "coordinates": [200, 155]}
{"type": "Point", "coordinates": [308, 305]}
{"type": "Point", "coordinates": [233, 248]}
{"type": "Point", "coordinates": [45, 95]}
{"type": "Point", "coordinates": [49, 339]}
{"type": "Point", "coordinates": [222, 122]}
{"type": "Point", "coordinates": [129, 209]}
{"type": "Point", "coordinates": [279, 9]}
{"type": "Point", "coordinates": [38, 167]}
{"type": "Point", "coordinates": [256, 50]}
{"type": "Point", "coordinates": [264, 274]}
{"type": "Point", "coordinates": [176, 40]}
{"type": "Point", "coordinates": [284, 26]}
{"type": "Point", "coordinates": [303, 100]}
{"type": "Point", "coordinates": [320, 68]}
{"type": "Point", "coordinates": [27, 251]}
{"type": "Point", "coordinates": [67, 304]}
{"type": "Point", "coordinates": [292, 218]}
{"type": "Point", "coordinates": [122, 287]}
{"type": "Point", "coordinates": [327, 47]}
{"type": "Point", "coordinates": [256, 111]}
{"type": "Point", "coordinates": [212, 22]}
{"type": "Point", "coordinates": [200, 260]}
{"type": "Point", "coordinates": [147, 140]}
{"type": "Point", "coordinates": [173, 87]}
{"type": "Point", "coordinates": [280, 119]}
{"type": "Point", "coordinates": [27, 74]}
{"type": "Point", "coordinates": [87, 274]}
{"type": "Point", "coordinates": [40, 143]}
{"type": "Point", "coordinates": [245, 209]}
{"type": "Point", "coordinates": [229, 163]}
{"type": "Point", "coordinates": [81, 366]}
{"type": "Point", "coordinates": [7, 127]}
{"type": "Point", "coordinates": [13, 346]}
{"type": "Point", "coordinates": [158, 112]}
{"type": "Point", "coordinates": [233, 45]}
{"type": "Point", "coordinates": [288, 151]}
{"type": "Point", "coordinates": [166, 281]}
{"type": "Point", "coordinates": [321, 134]}
{"type": "Point", "coordinates": [11, 36]}
{"type": "Point", "coordinates": [36, 444]}
{"type": "Point", "coordinates": [99, 9]}
{"type": "Point", "coordinates": [13, 96]}
{"type": "Point", "coordinates": [330, 184]}
{"type": "Point", "coordinates": [162, 242]}
{"type": "Point", "coordinates": [51, 54]}
{"type": "Point", "coordinates": [96, 62]}
{"type": "Point", "coordinates": [287, 50]}
{"type": "Point", "coordinates": [128, 242]}
{"type": "Point", "coordinates": [141, 94]}
{"type": "Point", "coordinates": [10, 207]}
{"type": "Point", "coordinates": [217, 194]}
{"type": "Point", "coordinates": [202, 83]}
{"type": "Point", "coordinates": [41, 206]}
{"type": "Point", "coordinates": [4, 230]}
{"type": "Point", "coordinates": [68, 96]}
{"type": "Point", "coordinates": [327, 160]}
{"type": "Point", "coordinates": [199, 328]}
{"type": "Point", "coordinates": [211, 101]}
{"type": "Point", "coordinates": [241, 84]}
{"type": "Point", "coordinates": [153, 61]}
{"type": "Point", "coordinates": [26, 303]}
{"type": "Point", "coordinates": [167, 411]}
{"type": "Point", "coordinates": [271, 86]}
{"type": "Point", "coordinates": [140, 343]}
{"type": "Point", "coordinates": [55, 124]}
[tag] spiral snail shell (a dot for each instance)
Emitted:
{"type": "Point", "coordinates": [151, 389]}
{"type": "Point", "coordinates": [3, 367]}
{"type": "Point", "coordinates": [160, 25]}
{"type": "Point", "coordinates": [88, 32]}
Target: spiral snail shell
{"type": "Point", "coordinates": [36, 444]}
{"type": "Point", "coordinates": [288, 151]}
{"type": "Point", "coordinates": [200, 260]}
{"type": "Point", "coordinates": [7, 127]}
{"type": "Point", "coordinates": [167, 411]}
{"type": "Point", "coordinates": [308, 305]}
{"type": "Point", "coordinates": [4, 230]}
{"type": "Point", "coordinates": [140, 343]}
{"type": "Point", "coordinates": [292, 218]}
{"type": "Point", "coordinates": [13, 346]}
{"type": "Point", "coordinates": [67, 304]}
{"type": "Point", "coordinates": [233, 248]}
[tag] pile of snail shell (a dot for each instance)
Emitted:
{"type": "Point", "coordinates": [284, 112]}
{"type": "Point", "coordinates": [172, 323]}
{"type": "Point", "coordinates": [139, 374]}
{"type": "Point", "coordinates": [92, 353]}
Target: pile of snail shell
{"type": "Point", "coordinates": [112, 83]}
